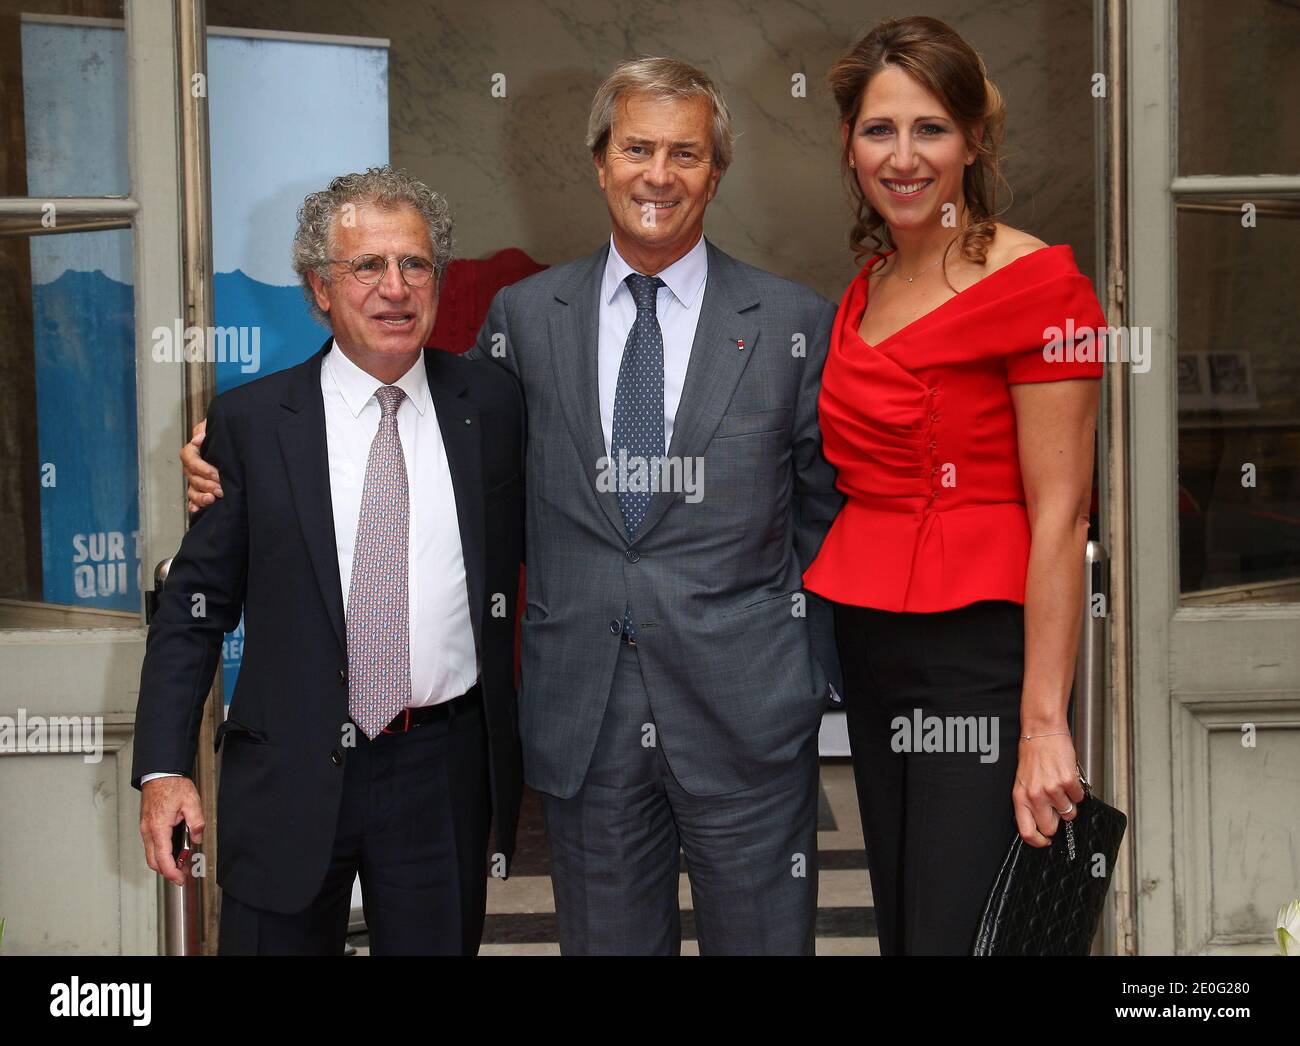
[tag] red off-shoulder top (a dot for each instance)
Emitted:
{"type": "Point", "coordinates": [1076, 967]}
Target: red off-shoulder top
{"type": "Point", "coordinates": [922, 431]}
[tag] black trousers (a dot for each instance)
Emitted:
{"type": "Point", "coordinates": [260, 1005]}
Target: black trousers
{"type": "Point", "coordinates": [414, 822]}
{"type": "Point", "coordinates": [926, 696]}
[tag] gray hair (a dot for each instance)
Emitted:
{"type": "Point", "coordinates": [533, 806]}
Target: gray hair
{"type": "Point", "coordinates": [385, 187]}
{"type": "Point", "coordinates": [663, 78]}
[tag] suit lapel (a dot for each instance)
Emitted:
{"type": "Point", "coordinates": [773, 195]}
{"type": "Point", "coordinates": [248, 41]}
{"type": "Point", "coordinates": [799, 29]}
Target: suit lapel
{"type": "Point", "coordinates": [306, 458]}
{"type": "Point", "coordinates": [728, 317]}
{"type": "Point", "coordinates": [575, 352]}
{"type": "Point", "coordinates": [458, 420]}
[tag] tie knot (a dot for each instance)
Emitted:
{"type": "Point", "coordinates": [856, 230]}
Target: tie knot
{"type": "Point", "coordinates": [390, 398]}
{"type": "Point", "coordinates": [643, 290]}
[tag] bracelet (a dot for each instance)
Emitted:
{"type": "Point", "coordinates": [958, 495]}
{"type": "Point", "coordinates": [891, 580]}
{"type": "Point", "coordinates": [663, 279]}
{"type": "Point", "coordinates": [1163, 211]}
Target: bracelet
{"type": "Point", "coordinates": [1058, 733]}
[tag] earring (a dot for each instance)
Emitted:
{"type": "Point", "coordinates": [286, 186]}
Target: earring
{"type": "Point", "coordinates": [851, 163]}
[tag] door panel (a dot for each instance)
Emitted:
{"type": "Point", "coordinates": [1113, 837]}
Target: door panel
{"type": "Point", "coordinates": [1238, 375]}
{"type": "Point", "coordinates": [88, 453]}
{"type": "Point", "coordinates": [1212, 476]}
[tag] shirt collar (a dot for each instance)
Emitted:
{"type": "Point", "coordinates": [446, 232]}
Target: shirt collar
{"type": "Point", "coordinates": [684, 277]}
{"type": "Point", "coordinates": [358, 388]}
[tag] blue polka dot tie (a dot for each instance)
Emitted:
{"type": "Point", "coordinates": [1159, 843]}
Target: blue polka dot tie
{"type": "Point", "coordinates": [638, 429]}
{"type": "Point", "coordinates": [378, 618]}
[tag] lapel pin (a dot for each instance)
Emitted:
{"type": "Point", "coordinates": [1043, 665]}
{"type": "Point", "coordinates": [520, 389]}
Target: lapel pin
{"type": "Point", "coordinates": [740, 344]}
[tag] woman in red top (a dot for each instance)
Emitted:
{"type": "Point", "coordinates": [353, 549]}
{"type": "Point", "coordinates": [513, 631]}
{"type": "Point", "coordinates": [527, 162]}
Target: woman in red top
{"type": "Point", "coordinates": [960, 416]}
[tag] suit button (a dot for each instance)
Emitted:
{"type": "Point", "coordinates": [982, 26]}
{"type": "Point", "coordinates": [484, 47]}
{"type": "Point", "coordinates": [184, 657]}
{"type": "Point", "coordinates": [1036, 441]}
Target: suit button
{"type": "Point", "coordinates": [336, 757]}
{"type": "Point", "coordinates": [616, 627]}
{"type": "Point", "coordinates": [633, 555]}
{"type": "Point", "coordinates": [343, 675]}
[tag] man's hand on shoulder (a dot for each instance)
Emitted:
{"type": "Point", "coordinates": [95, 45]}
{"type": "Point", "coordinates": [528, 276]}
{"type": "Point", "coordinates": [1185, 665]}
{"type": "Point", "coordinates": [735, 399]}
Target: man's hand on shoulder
{"type": "Point", "coordinates": [203, 481]}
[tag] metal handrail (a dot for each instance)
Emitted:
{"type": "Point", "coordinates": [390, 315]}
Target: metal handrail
{"type": "Point", "coordinates": [1090, 668]}
{"type": "Point", "coordinates": [182, 908]}
{"type": "Point", "coordinates": [1089, 699]}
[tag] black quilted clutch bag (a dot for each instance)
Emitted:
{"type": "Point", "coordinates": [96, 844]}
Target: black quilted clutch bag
{"type": "Point", "coordinates": [1048, 900]}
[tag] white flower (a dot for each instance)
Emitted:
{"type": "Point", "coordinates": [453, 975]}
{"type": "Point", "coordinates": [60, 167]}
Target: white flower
{"type": "Point", "coordinates": [1288, 928]}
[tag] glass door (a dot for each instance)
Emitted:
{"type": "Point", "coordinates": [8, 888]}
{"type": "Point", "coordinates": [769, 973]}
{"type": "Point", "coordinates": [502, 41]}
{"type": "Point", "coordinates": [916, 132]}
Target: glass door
{"type": "Point", "coordinates": [90, 496]}
{"type": "Point", "coordinates": [1215, 470]}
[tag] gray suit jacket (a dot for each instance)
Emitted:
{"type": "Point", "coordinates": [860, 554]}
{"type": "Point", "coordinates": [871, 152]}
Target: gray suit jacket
{"type": "Point", "coordinates": [736, 657]}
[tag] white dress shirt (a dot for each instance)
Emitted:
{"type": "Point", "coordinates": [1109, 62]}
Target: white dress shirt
{"type": "Point", "coordinates": [444, 662]}
{"type": "Point", "coordinates": [677, 306]}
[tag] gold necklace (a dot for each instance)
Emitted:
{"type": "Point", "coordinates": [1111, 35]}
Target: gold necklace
{"type": "Point", "coordinates": [937, 260]}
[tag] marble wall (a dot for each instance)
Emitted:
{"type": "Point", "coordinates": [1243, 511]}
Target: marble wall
{"type": "Point", "coordinates": [517, 173]}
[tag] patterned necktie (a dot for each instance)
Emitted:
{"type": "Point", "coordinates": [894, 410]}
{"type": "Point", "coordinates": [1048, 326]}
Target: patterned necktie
{"type": "Point", "coordinates": [638, 428]}
{"type": "Point", "coordinates": [378, 619]}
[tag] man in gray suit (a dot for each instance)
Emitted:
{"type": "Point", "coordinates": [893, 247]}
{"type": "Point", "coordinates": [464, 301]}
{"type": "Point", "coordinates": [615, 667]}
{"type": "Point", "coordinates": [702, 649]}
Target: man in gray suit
{"type": "Point", "coordinates": [673, 673]}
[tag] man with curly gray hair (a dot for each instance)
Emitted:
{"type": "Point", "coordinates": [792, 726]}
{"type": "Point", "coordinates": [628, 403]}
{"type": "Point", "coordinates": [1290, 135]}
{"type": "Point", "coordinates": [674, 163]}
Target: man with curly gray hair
{"type": "Point", "coordinates": [370, 531]}
{"type": "Point", "coordinates": [382, 187]}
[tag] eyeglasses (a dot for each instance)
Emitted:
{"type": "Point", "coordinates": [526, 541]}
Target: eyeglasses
{"type": "Point", "coordinates": [369, 269]}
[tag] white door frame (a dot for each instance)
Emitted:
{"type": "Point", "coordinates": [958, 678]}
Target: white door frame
{"type": "Point", "coordinates": [1195, 669]}
{"type": "Point", "coordinates": [91, 671]}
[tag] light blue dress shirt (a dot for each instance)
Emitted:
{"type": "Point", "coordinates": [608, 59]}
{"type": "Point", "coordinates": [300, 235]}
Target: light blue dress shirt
{"type": "Point", "coordinates": [678, 308]}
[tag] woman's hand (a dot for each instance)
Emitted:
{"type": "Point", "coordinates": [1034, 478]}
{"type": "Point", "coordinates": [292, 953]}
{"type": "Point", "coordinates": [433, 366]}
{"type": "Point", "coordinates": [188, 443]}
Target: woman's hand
{"type": "Point", "coordinates": [1047, 788]}
{"type": "Point", "coordinates": [1056, 423]}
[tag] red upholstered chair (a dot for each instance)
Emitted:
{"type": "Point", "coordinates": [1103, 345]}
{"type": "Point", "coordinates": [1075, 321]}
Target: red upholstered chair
{"type": "Point", "coordinates": [467, 289]}
{"type": "Point", "coordinates": [468, 286]}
